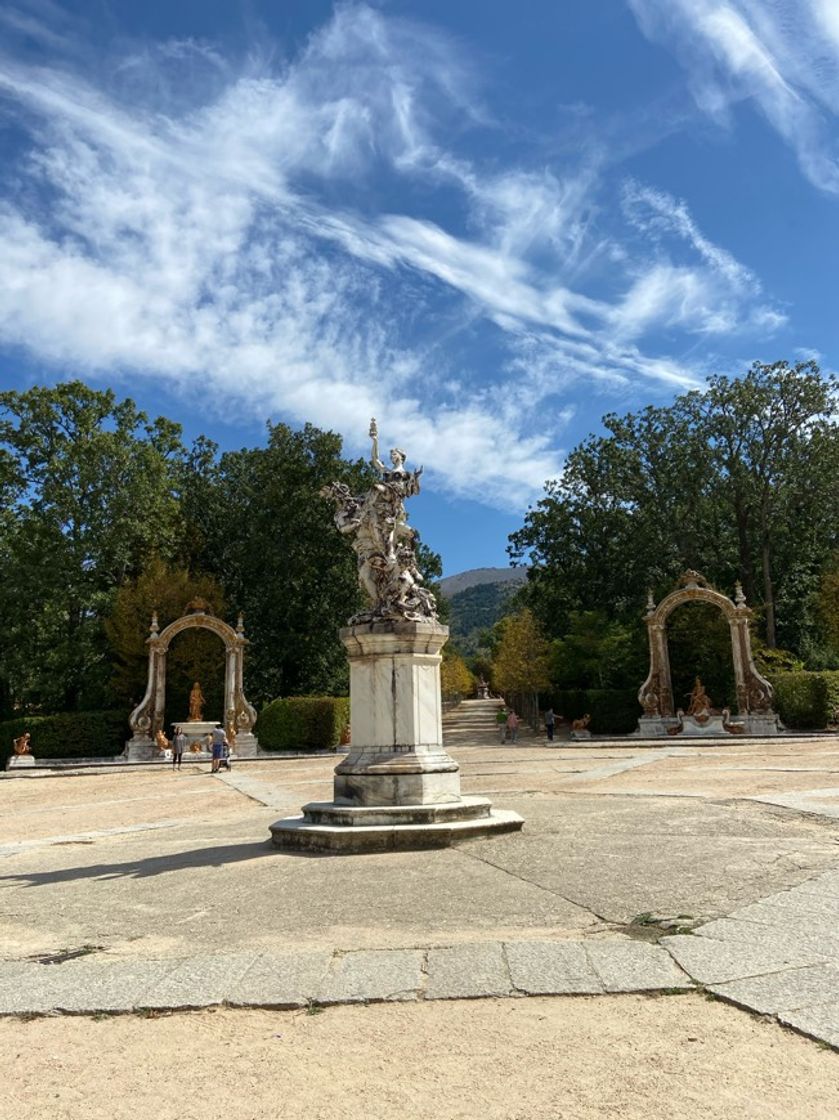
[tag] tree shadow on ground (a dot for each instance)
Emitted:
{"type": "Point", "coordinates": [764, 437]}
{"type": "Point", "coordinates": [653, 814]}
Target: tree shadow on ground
{"type": "Point", "coordinates": [219, 856]}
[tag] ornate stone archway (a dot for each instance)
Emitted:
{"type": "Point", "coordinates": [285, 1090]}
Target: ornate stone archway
{"type": "Point", "coordinates": [754, 692]}
{"type": "Point", "coordinates": [147, 718]}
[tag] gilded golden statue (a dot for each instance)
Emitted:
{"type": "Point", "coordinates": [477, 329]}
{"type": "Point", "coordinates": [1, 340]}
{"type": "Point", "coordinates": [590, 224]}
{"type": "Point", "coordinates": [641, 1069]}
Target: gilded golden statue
{"type": "Point", "coordinates": [700, 701]}
{"type": "Point", "coordinates": [21, 745]}
{"type": "Point", "coordinates": [196, 704]}
{"type": "Point", "coordinates": [161, 741]}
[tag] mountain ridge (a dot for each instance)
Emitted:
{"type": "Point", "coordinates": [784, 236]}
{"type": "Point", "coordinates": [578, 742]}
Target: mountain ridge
{"type": "Point", "coordinates": [474, 577]}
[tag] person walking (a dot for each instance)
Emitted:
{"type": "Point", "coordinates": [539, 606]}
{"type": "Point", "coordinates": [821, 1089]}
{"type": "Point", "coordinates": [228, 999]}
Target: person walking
{"type": "Point", "coordinates": [550, 721]}
{"type": "Point", "coordinates": [219, 739]}
{"type": "Point", "coordinates": [178, 748]}
{"type": "Point", "coordinates": [512, 727]}
{"type": "Point", "coordinates": [501, 720]}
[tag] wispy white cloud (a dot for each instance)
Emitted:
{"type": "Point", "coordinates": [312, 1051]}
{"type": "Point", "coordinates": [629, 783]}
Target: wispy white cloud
{"type": "Point", "coordinates": [783, 55]}
{"type": "Point", "coordinates": [231, 233]}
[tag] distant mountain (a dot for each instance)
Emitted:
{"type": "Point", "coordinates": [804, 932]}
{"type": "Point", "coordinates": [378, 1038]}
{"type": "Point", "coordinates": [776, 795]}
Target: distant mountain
{"type": "Point", "coordinates": [452, 585]}
{"type": "Point", "coordinates": [477, 599]}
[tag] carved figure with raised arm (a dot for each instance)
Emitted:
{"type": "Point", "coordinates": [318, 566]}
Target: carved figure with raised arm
{"type": "Point", "coordinates": [384, 543]}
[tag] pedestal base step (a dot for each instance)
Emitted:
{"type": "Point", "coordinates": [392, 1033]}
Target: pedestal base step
{"type": "Point", "coordinates": [326, 827]}
{"type": "Point", "coordinates": [337, 815]}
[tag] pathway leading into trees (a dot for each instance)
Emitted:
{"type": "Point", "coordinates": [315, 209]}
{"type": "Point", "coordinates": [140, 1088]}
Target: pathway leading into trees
{"type": "Point", "coordinates": [640, 868]}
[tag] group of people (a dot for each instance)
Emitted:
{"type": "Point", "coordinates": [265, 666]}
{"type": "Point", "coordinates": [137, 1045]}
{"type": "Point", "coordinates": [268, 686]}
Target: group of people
{"type": "Point", "coordinates": [508, 724]}
{"type": "Point", "coordinates": [218, 744]}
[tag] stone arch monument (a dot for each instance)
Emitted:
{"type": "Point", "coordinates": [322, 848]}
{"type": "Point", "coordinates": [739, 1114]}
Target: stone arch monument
{"type": "Point", "coordinates": [146, 720]}
{"type": "Point", "coordinates": [754, 692]}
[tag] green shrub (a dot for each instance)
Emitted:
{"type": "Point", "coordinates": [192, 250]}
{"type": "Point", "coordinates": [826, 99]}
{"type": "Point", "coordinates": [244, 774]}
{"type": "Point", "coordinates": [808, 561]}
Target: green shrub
{"type": "Point", "coordinates": [803, 699]}
{"type": "Point", "coordinates": [831, 676]}
{"type": "Point", "coordinates": [303, 723]}
{"type": "Point", "coordinates": [613, 711]}
{"type": "Point", "coordinates": [68, 734]}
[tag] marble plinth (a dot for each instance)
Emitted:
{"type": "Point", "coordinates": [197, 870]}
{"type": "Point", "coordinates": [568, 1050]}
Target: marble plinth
{"type": "Point", "coordinates": [715, 727]}
{"type": "Point", "coordinates": [142, 749]}
{"type": "Point", "coordinates": [762, 723]}
{"type": "Point", "coordinates": [397, 787]}
{"type": "Point", "coordinates": [345, 829]}
{"type": "Point", "coordinates": [19, 761]}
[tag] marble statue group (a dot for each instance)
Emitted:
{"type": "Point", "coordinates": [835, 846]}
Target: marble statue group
{"type": "Point", "coordinates": [384, 542]}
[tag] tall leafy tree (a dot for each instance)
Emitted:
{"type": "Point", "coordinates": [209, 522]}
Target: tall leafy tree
{"type": "Point", "coordinates": [738, 481]}
{"type": "Point", "coordinates": [265, 533]}
{"type": "Point", "coordinates": [194, 655]}
{"type": "Point", "coordinates": [90, 486]}
{"type": "Point", "coordinates": [521, 660]}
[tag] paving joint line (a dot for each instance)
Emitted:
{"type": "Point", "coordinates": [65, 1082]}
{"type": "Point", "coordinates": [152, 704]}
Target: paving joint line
{"type": "Point", "coordinates": [462, 848]}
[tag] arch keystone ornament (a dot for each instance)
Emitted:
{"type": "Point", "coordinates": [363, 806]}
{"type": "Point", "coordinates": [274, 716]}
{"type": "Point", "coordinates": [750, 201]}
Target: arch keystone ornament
{"type": "Point", "coordinates": [239, 716]}
{"type": "Point", "coordinates": [755, 714]}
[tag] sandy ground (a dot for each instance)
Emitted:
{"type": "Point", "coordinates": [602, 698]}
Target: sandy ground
{"type": "Point", "coordinates": [672, 835]}
{"type": "Point", "coordinates": [630, 1057]}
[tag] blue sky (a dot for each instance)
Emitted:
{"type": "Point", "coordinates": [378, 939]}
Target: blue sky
{"type": "Point", "coordinates": [485, 225]}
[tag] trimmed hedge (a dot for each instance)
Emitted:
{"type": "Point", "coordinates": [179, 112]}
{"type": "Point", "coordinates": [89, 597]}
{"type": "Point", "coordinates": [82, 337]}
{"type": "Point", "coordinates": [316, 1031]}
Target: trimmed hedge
{"type": "Point", "coordinates": [303, 723]}
{"type": "Point", "coordinates": [613, 711]}
{"type": "Point", "coordinates": [805, 701]}
{"type": "Point", "coordinates": [68, 734]}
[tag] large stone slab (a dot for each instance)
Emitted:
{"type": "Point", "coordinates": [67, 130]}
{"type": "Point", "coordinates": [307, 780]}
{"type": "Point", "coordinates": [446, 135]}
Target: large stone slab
{"type": "Point", "coordinates": [821, 1021]}
{"type": "Point", "coordinates": [468, 971]}
{"type": "Point", "coordinates": [784, 991]}
{"type": "Point", "coordinates": [373, 975]}
{"type": "Point", "coordinates": [80, 986]}
{"type": "Point", "coordinates": [551, 968]}
{"type": "Point", "coordinates": [635, 966]}
{"type": "Point", "coordinates": [715, 962]}
{"type": "Point", "coordinates": [775, 939]}
{"type": "Point", "coordinates": [199, 981]}
{"type": "Point", "coordinates": [281, 980]}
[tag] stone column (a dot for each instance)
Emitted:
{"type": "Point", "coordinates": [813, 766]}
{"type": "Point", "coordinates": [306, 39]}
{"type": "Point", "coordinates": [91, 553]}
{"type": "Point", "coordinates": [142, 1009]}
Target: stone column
{"type": "Point", "coordinates": [140, 746]}
{"type": "Point", "coordinates": [397, 788]}
{"type": "Point", "coordinates": [229, 685]}
{"type": "Point", "coordinates": [397, 755]}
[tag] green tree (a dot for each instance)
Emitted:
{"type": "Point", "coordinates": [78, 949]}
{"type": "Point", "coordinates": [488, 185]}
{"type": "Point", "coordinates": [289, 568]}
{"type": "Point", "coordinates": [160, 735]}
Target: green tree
{"type": "Point", "coordinates": [195, 654]}
{"type": "Point", "coordinates": [455, 677]}
{"type": "Point", "coordinates": [258, 524]}
{"type": "Point", "coordinates": [521, 661]}
{"type": "Point", "coordinates": [89, 481]}
{"type": "Point", "coordinates": [776, 452]}
{"type": "Point", "coordinates": [738, 481]}
{"type": "Point", "coordinates": [599, 652]}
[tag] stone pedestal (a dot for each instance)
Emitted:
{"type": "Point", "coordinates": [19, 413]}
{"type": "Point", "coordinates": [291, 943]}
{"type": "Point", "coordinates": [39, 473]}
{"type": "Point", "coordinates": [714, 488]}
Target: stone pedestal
{"type": "Point", "coordinates": [19, 761]}
{"type": "Point", "coordinates": [140, 748]}
{"type": "Point", "coordinates": [247, 745]}
{"type": "Point", "coordinates": [653, 727]}
{"type": "Point", "coordinates": [762, 723]}
{"type": "Point", "coordinates": [397, 788]}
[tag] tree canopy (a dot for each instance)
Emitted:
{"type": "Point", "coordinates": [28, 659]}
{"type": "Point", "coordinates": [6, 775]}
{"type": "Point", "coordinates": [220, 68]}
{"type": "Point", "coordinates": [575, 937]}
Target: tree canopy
{"type": "Point", "coordinates": [105, 514]}
{"type": "Point", "coordinates": [738, 481]}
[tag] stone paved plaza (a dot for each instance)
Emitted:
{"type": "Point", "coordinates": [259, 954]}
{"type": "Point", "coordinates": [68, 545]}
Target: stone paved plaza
{"type": "Point", "coordinates": [640, 868]}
